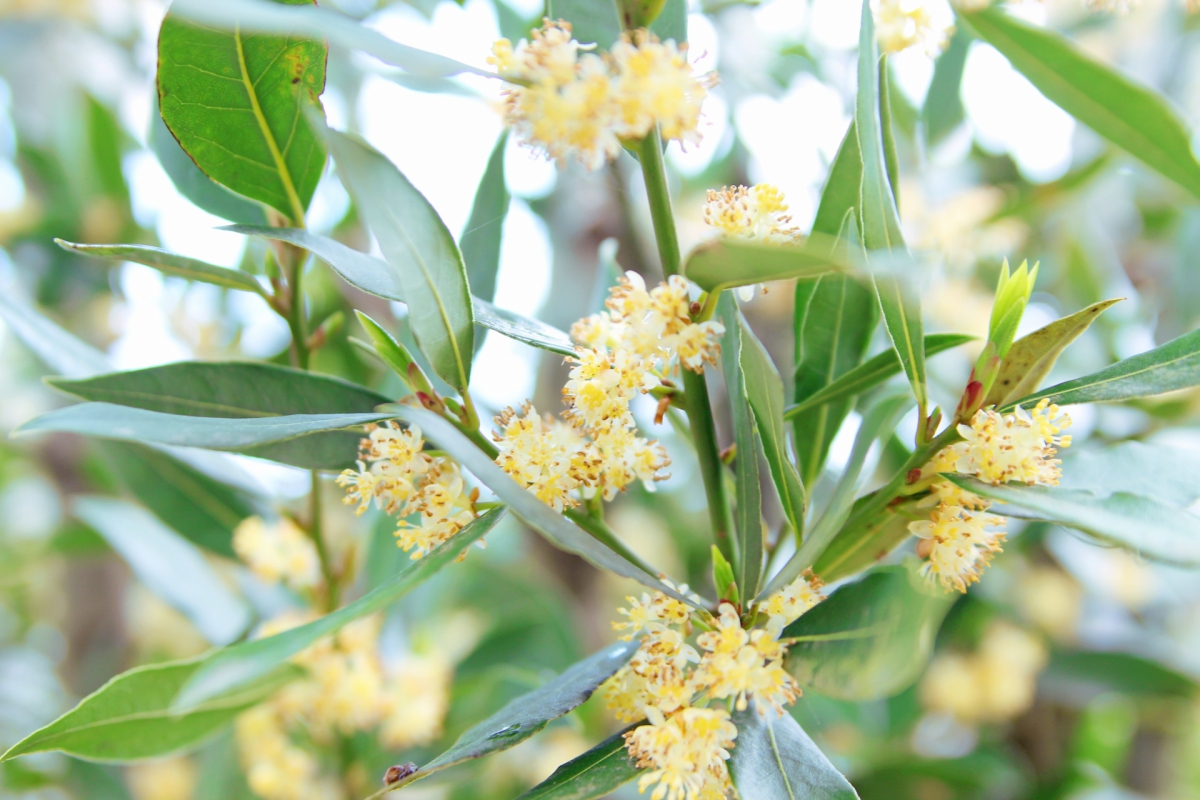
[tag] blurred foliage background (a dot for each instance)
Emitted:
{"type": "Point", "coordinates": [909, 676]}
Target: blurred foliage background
{"type": "Point", "coordinates": [1070, 671]}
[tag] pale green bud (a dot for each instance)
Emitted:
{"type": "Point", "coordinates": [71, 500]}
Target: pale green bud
{"type": "Point", "coordinates": [1012, 295]}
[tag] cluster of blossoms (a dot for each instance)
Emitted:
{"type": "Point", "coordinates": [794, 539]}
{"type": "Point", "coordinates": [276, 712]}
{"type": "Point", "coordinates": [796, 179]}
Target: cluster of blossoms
{"type": "Point", "coordinates": [279, 552]}
{"type": "Point", "coordinates": [574, 103]}
{"type": "Point", "coordinates": [993, 684]}
{"type": "Point", "coordinates": [670, 683]}
{"type": "Point", "coordinates": [960, 538]}
{"type": "Point", "coordinates": [901, 24]}
{"type": "Point", "coordinates": [626, 350]}
{"type": "Point", "coordinates": [403, 479]}
{"type": "Point", "coordinates": [754, 213]}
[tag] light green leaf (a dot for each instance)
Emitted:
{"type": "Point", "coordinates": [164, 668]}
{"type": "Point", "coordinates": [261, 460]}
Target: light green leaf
{"type": "Point", "coordinates": [944, 110]}
{"type": "Point", "coordinates": [1172, 366]}
{"type": "Point", "coordinates": [843, 188]}
{"type": "Point", "coordinates": [1168, 474]}
{"type": "Point", "coordinates": [524, 329]}
{"type": "Point", "coordinates": [891, 159]}
{"type": "Point", "coordinates": [129, 718]}
{"type": "Point", "coordinates": [1119, 672]}
{"type": "Point", "coordinates": [387, 348]}
{"type": "Point", "coordinates": [57, 349]}
{"type": "Point", "coordinates": [1133, 117]}
{"type": "Point", "coordinates": [480, 242]}
{"type": "Point", "coordinates": [670, 21]}
{"type": "Point", "coordinates": [774, 759]}
{"type": "Point", "coordinates": [726, 263]}
{"type": "Point", "coordinates": [558, 530]}
{"type": "Point", "coordinates": [764, 389]}
{"type": "Point", "coordinates": [596, 21]}
{"type": "Point", "coordinates": [239, 104]}
{"type": "Point", "coordinates": [1142, 524]}
{"type": "Point", "coordinates": [421, 252]}
{"type": "Point", "coordinates": [751, 546]}
{"type": "Point", "coordinates": [241, 665]}
{"type": "Point", "coordinates": [168, 565]}
{"type": "Point", "coordinates": [597, 773]}
{"type": "Point", "coordinates": [170, 264]}
{"type": "Point", "coordinates": [869, 639]}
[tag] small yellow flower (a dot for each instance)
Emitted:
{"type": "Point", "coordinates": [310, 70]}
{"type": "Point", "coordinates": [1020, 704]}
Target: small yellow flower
{"type": "Point", "coordinates": [654, 84]}
{"type": "Point", "coordinates": [957, 544]}
{"type": "Point", "coordinates": [740, 664]}
{"type": "Point", "coordinates": [790, 602]}
{"type": "Point", "coordinates": [1014, 447]}
{"type": "Point", "coordinates": [901, 24]}
{"type": "Point", "coordinates": [684, 753]}
{"type": "Point", "coordinates": [279, 552]}
{"type": "Point", "coordinates": [757, 212]}
{"type": "Point", "coordinates": [993, 684]}
{"type": "Point", "coordinates": [417, 697]}
{"type": "Point", "coordinates": [549, 458]}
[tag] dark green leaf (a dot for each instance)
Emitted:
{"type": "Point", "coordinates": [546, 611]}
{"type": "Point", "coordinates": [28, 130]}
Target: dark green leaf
{"type": "Point", "coordinates": [170, 264]}
{"type": "Point", "coordinates": [234, 667]}
{"type": "Point", "coordinates": [1119, 672]}
{"type": "Point", "coordinates": [774, 759]}
{"type": "Point", "coordinates": [870, 638]}
{"type": "Point", "coordinates": [598, 772]}
{"type": "Point", "coordinates": [1133, 117]}
{"type": "Point", "coordinates": [57, 349]}
{"type": "Point", "coordinates": [725, 263]}
{"type": "Point", "coordinates": [944, 110]}
{"type": "Point", "coordinates": [596, 21]}
{"type": "Point", "coordinates": [1168, 474]}
{"type": "Point", "coordinates": [238, 103]}
{"type": "Point", "coordinates": [480, 242]}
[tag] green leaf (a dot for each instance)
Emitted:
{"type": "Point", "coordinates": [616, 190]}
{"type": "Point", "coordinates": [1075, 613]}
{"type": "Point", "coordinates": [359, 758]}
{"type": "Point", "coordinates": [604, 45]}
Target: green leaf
{"type": "Point", "coordinates": [1174, 365]}
{"type": "Point", "coordinates": [1167, 474]}
{"type": "Point", "coordinates": [57, 349]}
{"type": "Point", "coordinates": [1031, 357]}
{"type": "Point", "coordinates": [387, 348]}
{"type": "Point", "coordinates": [558, 530]}
{"type": "Point", "coordinates": [726, 263]}
{"type": "Point", "coordinates": [596, 21]}
{"type": "Point", "coordinates": [1133, 117]}
{"type": "Point", "coordinates": [170, 264]}
{"type": "Point", "coordinates": [130, 718]}
{"type": "Point", "coordinates": [764, 390]}
{"type": "Point", "coordinates": [944, 110]}
{"type": "Point", "coordinates": [869, 639]}
{"type": "Point", "coordinates": [843, 188]}
{"type": "Point", "coordinates": [670, 22]}
{"type": "Point", "coordinates": [1119, 672]}
{"type": "Point", "coordinates": [240, 390]}
{"type": "Point", "coordinates": [420, 250]}
{"type": "Point", "coordinates": [751, 546]}
{"type": "Point", "coordinates": [239, 104]}
{"type": "Point", "coordinates": [530, 331]}
{"type": "Point", "coordinates": [240, 665]}
{"type": "Point", "coordinates": [873, 372]}
{"type": "Point", "coordinates": [597, 773]}
{"type": "Point", "coordinates": [168, 565]}
{"type": "Point", "coordinates": [891, 159]}
{"type": "Point", "coordinates": [774, 759]}
{"type": "Point", "coordinates": [1142, 524]}
{"type": "Point", "coordinates": [480, 242]}
{"type": "Point", "coordinates": [265, 437]}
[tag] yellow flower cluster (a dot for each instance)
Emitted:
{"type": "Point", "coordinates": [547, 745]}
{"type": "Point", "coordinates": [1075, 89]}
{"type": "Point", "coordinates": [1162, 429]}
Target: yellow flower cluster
{"type": "Point", "coordinates": [901, 24]}
{"type": "Point", "coordinates": [574, 103]}
{"type": "Point", "coordinates": [279, 552]}
{"type": "Point", "coordinates": [756, 212]}
{"type": "Point", "coordinates": [684, 754]}
{"type": "Point", "coordinates": [993, 684]}
{"type": "Point", "coordinates": [348, 689]}
{"type": "Point", "coordinates": [403, 479]}
{"type": "Point", "coordinates": [959, 538]}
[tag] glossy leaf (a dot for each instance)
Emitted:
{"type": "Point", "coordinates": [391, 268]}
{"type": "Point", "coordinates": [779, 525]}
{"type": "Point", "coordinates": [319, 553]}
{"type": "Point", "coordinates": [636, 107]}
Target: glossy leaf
{"type": "Point", "coordinates": [168, 565]}
{"type": "Point", "coordinates": [234, 667]}
{"type": "Point", "coordinates": [726, 263]}
{"type": "Point", "coordinates": [480, 242]}
{"type": "Point", "coordinates": [1157, 471]}
{"type": "Point", "coordinates": [530, 331]}
{"type": "Point", "coordinates": [387, 348]}
{"type": "Point", "coordinates": [873, 372]}
{"type": "Point", "coordinates": [170, 264]}
{"type": "Point", "coordinates": [1031, 357]}
{"type": "Point", "coordinates": [764, 390]}
{"type": "Point", "coordinates": [557, 529]}
{"type": "Point", "coordinates": [774, 759]}
{"type": "Point", "coordinates": [238, 103]}
{"type": "Point", "coordinates": [597, 773]}
{"type": "Point", "coordinates": [59, 350]}
{"type": "Point", "coordinates": [751, 547]}
{"type": "Point", "coordinates": [130, 718]}
{"type": "Point", "coordinates": [1174, 365]}
{"type": "Point", "coordinates": [1131, 116]}
{"type": "Point", "coordinates": [869, 639]}
{"type": "Point", "coordinates": [1142, 524]}
{"type": "Point", "coordinates": [596, 21]}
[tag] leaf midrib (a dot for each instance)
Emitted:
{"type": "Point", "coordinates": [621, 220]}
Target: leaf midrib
{"type": "Point", "coordinates": [112, 394]}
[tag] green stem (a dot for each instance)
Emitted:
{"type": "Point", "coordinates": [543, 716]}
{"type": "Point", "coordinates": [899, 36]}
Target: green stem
{"type": "Point", "coordinates": [314, 530]}
{"type": "Point", "coordinates": [295, 318]}
{"type": "Point", "coordinates": [699, 408]}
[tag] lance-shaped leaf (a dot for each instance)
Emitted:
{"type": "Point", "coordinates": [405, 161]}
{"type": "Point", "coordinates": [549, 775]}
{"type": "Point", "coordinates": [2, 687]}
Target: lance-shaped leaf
{"type": "Point", "coordinates": [1142, 524]}
{"type": "Point", "coordinates": [239, 104]}
{"type": "Point", "coordinates": [241, 665]}
{"type": "Point", "coordinates": [1167, 368]}
{"type": "Point", "coordinates": [597, 773]}
{"type": "Point", "coordinates": [420, 251]}
{"type": "Point", "coordinates": [774, 759]}
{"type": "Point", "coordinates": [726, 263]}
{"type": "Point", "coordinates": [168, 565]}
{"type": "Point", "coordinates": [597, 21]}
{"type": "Point", "coordinates": [869, 639]}
{"type": "Point", "coordinates": [873, 372]}
{"type": "Point", "coordinates": [1115, 671]}
{"type": "Point", "coordinates": [944, 110]}
{"type": "Point", "coordinates": [1157, 471]}
{"type": "Point", "coordinates": [130, 717]}
{"type": "Point", "coordinates": [669, 21]}
{"type": "Point", "coordinates": [1031, 357]}
{"type": "Point", "coordinates": [530, 331]}
{"type": "Point", "coordinates": [751, 546]}
{"type": "Point", "coordinates": [1133, 117]}
{"type": "Point", "coordinates": [557, 529]}
{"type": "Point", "coordinates": [764, 390]}
{"type": "Point", "coordinates": [169, 263]}
{"type": "Point", "coordinates": [532, 711]}
{"type": "Point", "coordinates": [58, 349]}
{"type": "Point", "coordinates": [480, 242]}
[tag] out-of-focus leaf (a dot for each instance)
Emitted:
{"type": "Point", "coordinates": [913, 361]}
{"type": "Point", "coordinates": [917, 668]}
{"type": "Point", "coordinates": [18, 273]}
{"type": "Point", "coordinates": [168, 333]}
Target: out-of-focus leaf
{"type": "Point", "coordinates": [597, 773]}
{"type": "Point", "coordinates": [59, 350]}
{"type": "Point", "coordinates": [1174, 365]}
{"type": "Point", "coordinates": [1031, 357]}
{"type": "Point", "coordinates": [169, 263]}
{"type": "Point", "coordinates": [1120, 672]}
{"type": "Point", "coordinates": [726, 263]}
{"type": "Point", "coordinates": [480, 242]}
{"type": "Point", "coordinates": [774, 759]}
{"type": "Point", "coordinates": [944, 110]}
{"type": "Point", "coordinates": [1142, 524]}
{"type": "Point", "coordinates": [1133, 117]}
{"type": "Point", "coordinates": [870, 638]}
{"type": "Point", "coordinates": [238, 666]}
{"type": "Point", "coordinates": [239, 104]}
{"type": "Point", "coordinates": [596, 21]}
{"type": "Point", "coordinates": [891, 159]}
{"type": "Point", "coordinates": [168, 565]}
{"type": "Point", "coordinates": [1160, 472]}
{"type": "Point", "coordinates": [671, 21]}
